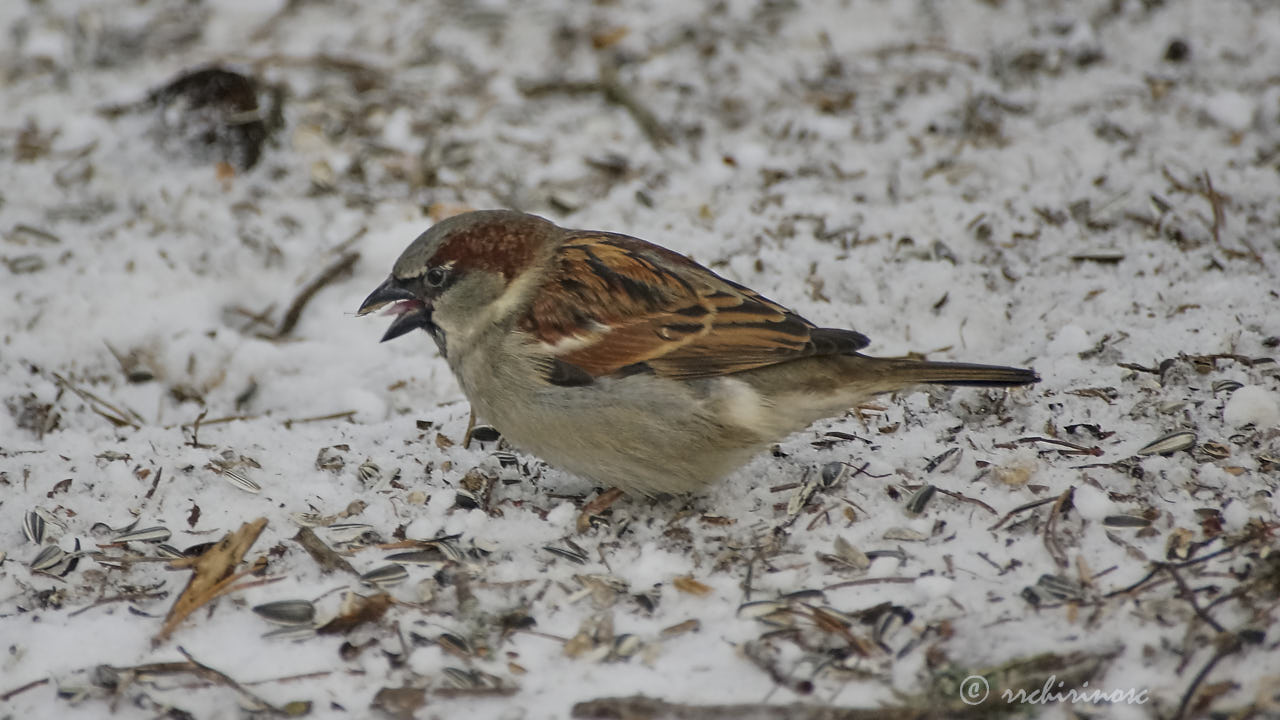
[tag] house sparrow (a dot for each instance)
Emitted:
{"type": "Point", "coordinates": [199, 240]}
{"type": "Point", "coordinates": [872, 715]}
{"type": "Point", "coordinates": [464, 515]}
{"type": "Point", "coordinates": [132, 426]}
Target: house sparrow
{"type": "Point", "coordinates": [625, 362]}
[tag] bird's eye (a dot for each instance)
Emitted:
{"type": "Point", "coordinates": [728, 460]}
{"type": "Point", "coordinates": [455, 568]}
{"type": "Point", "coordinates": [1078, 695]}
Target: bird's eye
{"type": "Point", "coordinates": [436, 276]}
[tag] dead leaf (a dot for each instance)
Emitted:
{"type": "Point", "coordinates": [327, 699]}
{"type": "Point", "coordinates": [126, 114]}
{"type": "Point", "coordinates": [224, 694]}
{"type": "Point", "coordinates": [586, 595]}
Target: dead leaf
{"type": "Point", "coordinates": [215, 571]}
{"type": "Point", "coordinates": [357, 610]}
{"type": "Point", "coordinates": [399, 702]}
{"type": "Point", "coordinates": [687, 584]}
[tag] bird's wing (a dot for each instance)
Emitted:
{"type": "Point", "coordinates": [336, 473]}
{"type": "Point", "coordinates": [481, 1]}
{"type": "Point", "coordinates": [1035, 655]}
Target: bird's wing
{"type": "Point", "coordinates": [615, 304]}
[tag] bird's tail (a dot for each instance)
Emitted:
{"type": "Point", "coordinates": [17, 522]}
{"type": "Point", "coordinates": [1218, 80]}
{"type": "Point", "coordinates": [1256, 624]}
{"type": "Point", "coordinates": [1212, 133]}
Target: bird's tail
{"type": "Point", "coordinates": [908, 371]}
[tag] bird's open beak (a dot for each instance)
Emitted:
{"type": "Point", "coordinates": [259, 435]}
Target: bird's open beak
{"type": "Point", "coordinates": [411, 312]}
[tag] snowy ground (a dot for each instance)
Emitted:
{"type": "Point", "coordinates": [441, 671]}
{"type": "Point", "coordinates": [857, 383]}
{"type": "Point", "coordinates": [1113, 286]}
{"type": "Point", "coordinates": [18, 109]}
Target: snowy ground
{"type": "Point", "coordinates": [1087, 188]}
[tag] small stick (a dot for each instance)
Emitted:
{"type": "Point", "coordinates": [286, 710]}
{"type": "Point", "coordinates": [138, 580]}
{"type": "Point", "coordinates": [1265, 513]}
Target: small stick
{"type": "Point", "coordinates": [218, 420]}
{"type": "Point", "coordinates": [1215, 203]}
{"type": "Point", "coordinates": [144, 595]}
{"type": "Point", "coordinates": [967, 499]}
{"type": "Point", "coordinates": [1022, 508]}
{"type": "Point", "coordinates": [1191, 598]}
{"type": "Point", "coordinates": [291, 678]}
{"type": "Point", "coordinates": [336, 269]}
{"type": "Point", "coordinates": [224, 679]}
{"type": "Point", "coordinates": [116, 417]}
{"type": "Point", "coordinates": [19, 690]}
{"type": "Point", "coordinates": [871, 581]}
{"type": "Point", "coordinates": [1229, 647]}
{"type": "Point", "coordinates": [1126, 590]}
{"type": "Point", "coordinates": [615, 93]}
{"type": "Point", "coordinates": [1157, 567]}
{"type": "Point", "coordinates": [1076, 449]}
{"type": "Point", "coordinates": [288, 424]}
{"type": "Point", "coordinates": [1050, 542]}
{"type": "Point", "coordinates": [195, 428]}
{"type": "Point", "coordinates": [154, 483]}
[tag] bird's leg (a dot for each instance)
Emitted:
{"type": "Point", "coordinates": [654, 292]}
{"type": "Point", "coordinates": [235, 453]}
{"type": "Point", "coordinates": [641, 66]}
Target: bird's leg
{"type": "Point", "coordinates": [471, 425]}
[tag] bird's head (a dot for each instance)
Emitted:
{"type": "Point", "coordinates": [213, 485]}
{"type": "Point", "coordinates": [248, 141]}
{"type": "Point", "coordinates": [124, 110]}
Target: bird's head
{"type": "Point", "coordinates": [463, 273]}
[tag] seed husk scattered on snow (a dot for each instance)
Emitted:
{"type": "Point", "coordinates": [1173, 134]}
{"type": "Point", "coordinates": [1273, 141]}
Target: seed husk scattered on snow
{"type": "Point", "coordinates": [834, 472]}
{"type": "Point", "coordinates": [1122, 521]}
{"type": "Point", "coordinates": [168, 551]}
{"type": "Point", "coordinates": [156, 534]}
{"type": "Point", "coordinates": [429, 556]}
{"type": "Point", "coordinates": [945, 462]}
{"type": "Point", "coordinates": [485, 434]}
{"type": "Point", "coordinates": [308, 519]}
{"type": "Point", "coordinates": [1171, 443]}
{"type": "Point", "coordinates": [761, 608]}
{"type": "Point", "coordinates": [290, 632]}
{"type": "Point", "coordinates": [897, 554]}
{"type": "Point", "coordinates": [571, 555]}
{"type": "Point", "coordinates": [688, 626]}
{"type": "Point", "coordinates": [237, 479]}
{"type": "Point", "coordinates": [1215, 449]}
{"type": "Point", "coordinates": [461, 679]}
{"type": "Point", "coordinates": [369, 473]}
{"type": "Point", "coordinates": [571, 551]}
{"type": "Point", "coordinates": [465, 499]}
{"type": "Point", "coordinates": [52, 522]}
{"type": "Point", "coordinates": [33, 527]}
{"type": "Point", "coordinates": [904, 534]}
{"type": "Point", "coordinates": [919, 500]}
{"type": "Point", "coordinates": [287, 612]}
{"type": "Point", "coordinates": [686, 584]}
{"type": "Point", "coordinates": [1060, 587]}
{"type": "Point", "coordinates": [626, 645]}
{"type": "Point", "coordinates": [347, 532]}
{"type": "Point", "coordinates": [894, 618]}
{"type": "Point", "coordinates": [385, 575]}
{"type": "Point", "coordinates": [198, 549]}
{"type": "Point", "coordinates": [804, 595]}
{"type": "Point", "coordinates": [47, 558]}
{"type": "Point", "coordinates": [1226, 386]}
{"type": "Point", "coordinates": [850, 555]}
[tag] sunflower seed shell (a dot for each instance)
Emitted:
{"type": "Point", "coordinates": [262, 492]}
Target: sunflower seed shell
{"type": "Point", "coordinates": [385, 575]}
{"type": "Point", "coordinates": [152, 535]}
{"type": "Point", "coordinates": [1171, 443]}
{"type": "Point", "coordinates": [33, 527]}
{"type": "Point", "coordinates": [47, 558]}
{"type": "Point", "coordinates": [287, 612]}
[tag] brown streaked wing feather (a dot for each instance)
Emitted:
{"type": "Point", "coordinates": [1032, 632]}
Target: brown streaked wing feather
{"type": "Point", "coordinates": [665, 313]}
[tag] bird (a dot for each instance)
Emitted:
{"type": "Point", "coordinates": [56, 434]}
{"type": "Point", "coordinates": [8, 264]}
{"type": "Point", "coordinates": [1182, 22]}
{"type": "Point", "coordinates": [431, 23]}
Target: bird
{"type": "Point", "coordinates": [627, 363]}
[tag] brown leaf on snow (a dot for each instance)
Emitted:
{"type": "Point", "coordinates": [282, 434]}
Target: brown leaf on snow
{"type": "Point", "coordinates": [687, 584]}
{"type": "Point", "coordinates": [215, 570]}
{"type": "Point", "coordinates": [357, 610]}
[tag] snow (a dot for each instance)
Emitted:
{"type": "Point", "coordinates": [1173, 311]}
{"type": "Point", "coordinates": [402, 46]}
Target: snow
{"type": "Point", "coordinates": [1232, 109]}
{"type": "Point", "coordinates": [1092, 503]}
{"type": "Point", "coordinates": [1252, 404]}
{"type": "Point", "coordinates": [1037, 184]}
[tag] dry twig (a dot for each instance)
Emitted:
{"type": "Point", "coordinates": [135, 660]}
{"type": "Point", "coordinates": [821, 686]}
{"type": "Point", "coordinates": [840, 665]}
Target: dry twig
{"type": "Point", "coordinates": [1227, 644]}
{"type": "Point", "coordinates": [325, 556]}
{"type": "Point", "coordinates": [6, 697]}
{"type": "Point", "coordinates": [336, 270]}
{"type": "Point", "coordinates": [612, 89]}
{"type": "Point", "coordinates": [1051, 542]}
{"type": "Point", "coordinates": [111, 413]}
{"type": "Point", "coordinates": [1021, 508]}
